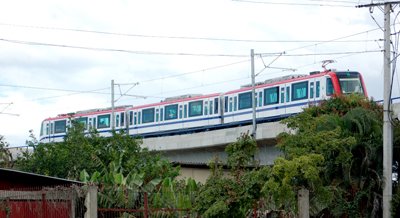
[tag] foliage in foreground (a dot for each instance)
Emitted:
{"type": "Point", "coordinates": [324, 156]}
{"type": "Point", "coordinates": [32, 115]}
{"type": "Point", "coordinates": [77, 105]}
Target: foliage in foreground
{"type": "Point", "coordinates": [6, 160]}
{"type": "Point", "coordinates": [117, 164]}
{"type": "Point", "coordinates": [232, 195]}
{"type": "Point", "coordinates": [335, 151]}
{"type": "Point", "coordinates": [94, 153]}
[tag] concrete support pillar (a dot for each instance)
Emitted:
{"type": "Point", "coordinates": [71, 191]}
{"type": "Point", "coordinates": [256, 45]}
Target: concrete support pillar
{"type": "Point", "coordinates": [91, 202]}
{"type": "Point", "coordinates": [303, 202]}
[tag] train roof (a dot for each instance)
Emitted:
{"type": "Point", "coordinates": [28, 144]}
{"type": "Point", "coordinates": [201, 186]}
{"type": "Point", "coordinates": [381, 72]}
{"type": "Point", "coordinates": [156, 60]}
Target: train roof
{"type": "Point", "coordinates": [88, 112]}
{"type": "Point", "coordinates": [281, 80]}
{"type": "Point", "coordinates": [191, 98]}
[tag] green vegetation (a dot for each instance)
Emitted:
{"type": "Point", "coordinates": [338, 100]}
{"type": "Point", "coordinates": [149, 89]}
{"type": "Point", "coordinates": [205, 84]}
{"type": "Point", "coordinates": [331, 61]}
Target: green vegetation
{"type": "Point", "coordinates": [334, 150]}
{"type": "Point", "coordinates": [117, 164]}
{"type": "Point", "coordinates": [6, 160]}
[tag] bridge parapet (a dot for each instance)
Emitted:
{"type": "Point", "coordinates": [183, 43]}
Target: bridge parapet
{"type": "Point", "coordinates": [214, 138]}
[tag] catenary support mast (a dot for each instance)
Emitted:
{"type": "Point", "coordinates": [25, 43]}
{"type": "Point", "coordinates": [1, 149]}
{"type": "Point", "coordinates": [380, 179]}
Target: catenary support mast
{"type": "Point", "coordinates": [253, 95]}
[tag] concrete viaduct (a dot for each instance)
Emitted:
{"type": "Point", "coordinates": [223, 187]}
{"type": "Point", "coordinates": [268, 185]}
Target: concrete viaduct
{"type": "Point", "coordinates": [194, 151]}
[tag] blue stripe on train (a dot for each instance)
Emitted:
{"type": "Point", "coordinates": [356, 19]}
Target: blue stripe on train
{"type": "Point", "coordinates": [203, 128]}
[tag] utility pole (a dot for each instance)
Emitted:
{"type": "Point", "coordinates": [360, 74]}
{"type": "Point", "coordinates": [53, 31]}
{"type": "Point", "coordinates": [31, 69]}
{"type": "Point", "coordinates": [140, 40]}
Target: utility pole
{"type": "Point", "coordinates": [112, 106]}
{"type": "Point", "coordinates": [387, 125]}
{"type": "Point", "coordinates": [253, 95]}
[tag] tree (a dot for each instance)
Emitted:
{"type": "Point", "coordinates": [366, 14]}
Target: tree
{"type": "Point", "coordinates": [6, 159]}
{"type": "Point", "coordinates": [237, 194]}
{"type": "Point", "coordinates": [94, 153]}
{"type": "Point", "coordinates": [335, 151]}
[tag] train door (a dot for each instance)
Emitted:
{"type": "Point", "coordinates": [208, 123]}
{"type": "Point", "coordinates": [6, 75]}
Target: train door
{"type": "Point", "coordinates": [259, 102]}
{"type": "Point", "coordinates": [312, 97]}
{"type": "Point", "coordinates": [233, 106]}
{"type": "Point", "coordinates": [129, 121]}
{"type": "Point", "coordinates": [213, 114]}
{"type": "Point", "coordinates": [157, 118]}
{"type": "Point", "coordinates": [181, 123]}
{"type": "Point", "coordinates": [206, 111]}
{"type": "Point", "coordinates": [283, 100]}
{"type": "Point", "coordinates": [161, 122]}
{"type": "Point", "coordinates": [326, 87]}
{"type": "Point", "coordinates": [134, 123]}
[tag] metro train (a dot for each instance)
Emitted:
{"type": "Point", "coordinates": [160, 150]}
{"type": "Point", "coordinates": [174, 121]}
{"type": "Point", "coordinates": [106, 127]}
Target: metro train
{"type": "Point", "coordinates": [275, 99]}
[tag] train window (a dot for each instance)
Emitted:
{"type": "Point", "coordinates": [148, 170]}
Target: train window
{"type": "Point", "coordinates": [329, 86]}
{"type": "Point", "coordinates": [299, 91]}
{"type": "Point", "coordinates": [245, 100]}
{"type": "Point", "coordinates": [180, 112]}
{"type": "Point", "coordinates": [130, 118]}
{"type": "Point", "coordinates": [157, 115]}
{"type": "Point", "coordinates": [216, 105]}
{"type": "Point", "coordinates": [122, 119]}
{"type": "Point", "coordinates": [282, 95]}
{"type": "Point", "coordinates": [185, 111]}
{"type": "Point", "coordinates": [161, 114]}
{"type": "Point", "coordinates": [226, 104]}
{"type": "Point", "coordinates": [206, 108]}
{"type": "Point", "coordinates": [94, 121]}
{"type": "Point", "coordinates": [195, 108]}
{"type": "Point", "coordinates": [260, 97]}
{"type": "Point", "coordinates": [271, 96]}
{"type": "Point", "coordinates": [139, 120]}
{"type": "Point", "coordinates": [148, 115]}
{"type": "Point", "coordinates": [104, 121]}
{"type": "Point", "coordinates": [83, 120]}
{"type": "Point", "coordinates": [171, 112]}
{"type": "Point", "coordinates": [211, 107]}
{"type": "Point", "coordinates": [317, 89]}
{"type": "Point", "coordinates": [90, 123]}
{"type": "Point", "coordinates": [311, 89]}
{"type": "Point", "coordinates": [230, 104]}
{"type": "Point", "coordinates": [60, 126]}
{"type": "Point", "coordinates": [117, 120]}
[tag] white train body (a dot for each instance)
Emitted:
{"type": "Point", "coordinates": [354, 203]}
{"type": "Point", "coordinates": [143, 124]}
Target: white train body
{"type": "Point", "coordinates": [275, 99]}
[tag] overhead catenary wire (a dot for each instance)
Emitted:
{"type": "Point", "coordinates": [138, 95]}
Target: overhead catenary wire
{"type": "Point", "coordinates": [96, 91]}
{"type": "Point", "coordinates": [293, 3]}
{"type": "Point", "coordinates": [178, 37]}
{"type": "Point", "coordinates": [265, 54]}
{"type": "Point", "coordinates": [118, 50]}
{"type": "Point", "coordinates": [51, 89]}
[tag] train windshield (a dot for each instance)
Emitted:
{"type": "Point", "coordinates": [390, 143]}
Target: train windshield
{"type": "Point", "coordinates": [350, 82]}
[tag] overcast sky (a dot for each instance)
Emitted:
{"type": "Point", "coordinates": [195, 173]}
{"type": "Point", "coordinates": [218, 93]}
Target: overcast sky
{"type": "Point", "coordinates": [53, 51]}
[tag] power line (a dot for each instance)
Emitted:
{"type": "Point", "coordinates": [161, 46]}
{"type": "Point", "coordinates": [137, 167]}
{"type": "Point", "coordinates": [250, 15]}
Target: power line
{"type": "Point", "coordinates": [294, 3]}
{"type": "Point", "coordinates": [332, 53]}
{"type": "Point", "coordinates": [196, 71]}
{"type": "Point", "coordinates": [176, 37]}
{"type": "Point", "coordinates": [51, 89]}
{"type": "Point", "coordinates": [118, 50]}
{"type": "Point", "coordinates": [76, 92]}
{"type": "Point", "coordinates": [336, 39]}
